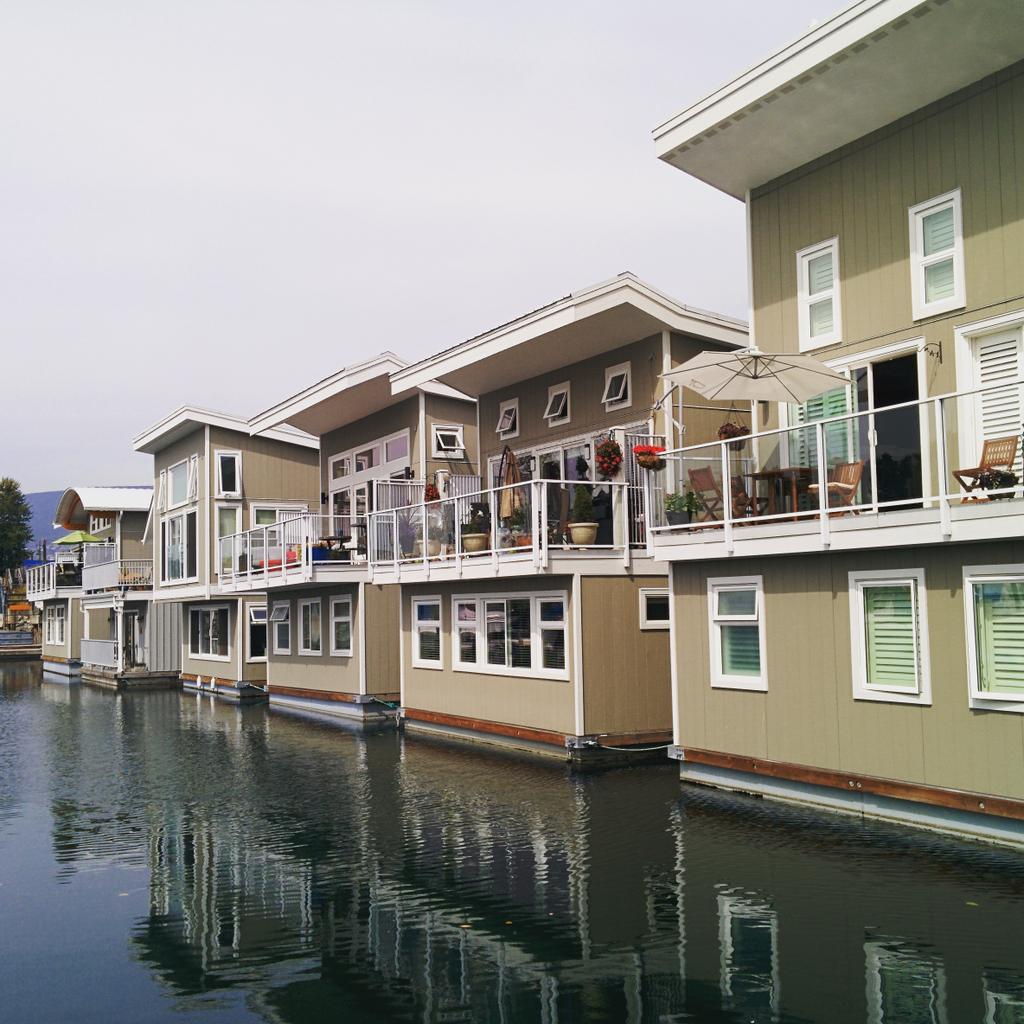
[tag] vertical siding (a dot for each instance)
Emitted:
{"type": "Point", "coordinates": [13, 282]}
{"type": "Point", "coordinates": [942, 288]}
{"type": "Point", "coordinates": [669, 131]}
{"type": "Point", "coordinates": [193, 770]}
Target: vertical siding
{"type": "Point", "coordinates": [383, 638]}
{"type": "Point", "coordinates": [512, 700]}
{"type": "Point", "coordinates": [626, 683]}
{"type": "Point", "coordinates": [862, 194]}
{"type": "Point", "coordinates": [809, 715]}
{"type": "Point", "coordinates": [163, 636]}
{"type": "Point", "coordinates": [325, 671]}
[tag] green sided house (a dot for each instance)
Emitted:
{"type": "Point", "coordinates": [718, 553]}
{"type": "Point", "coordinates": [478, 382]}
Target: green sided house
{"type": "Point", "coordinates": [333, 624]}
{"type": "Point", "coordinates": [212, 478]}
{"type": "Point", "coordinates": [532, 611]}
{"type": "Point", "coordinates": [852, 634]}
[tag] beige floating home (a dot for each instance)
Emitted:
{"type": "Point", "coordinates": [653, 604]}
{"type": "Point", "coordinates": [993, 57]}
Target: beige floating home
{"type": "Point", "coordinates": [212, 478]}
{"type": "Point", "coordinates": [333, 646]}
{"type": "Point", "coordinates": [856, 638]}
{"type": "Point", "coordinates": [517, 626]}
{"type": "Point", "coordinates": [99, 621]}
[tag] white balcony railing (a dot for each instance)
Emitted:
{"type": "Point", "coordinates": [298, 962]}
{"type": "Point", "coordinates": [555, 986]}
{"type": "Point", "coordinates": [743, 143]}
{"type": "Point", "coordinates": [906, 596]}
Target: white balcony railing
{"type": "Point", "coordinates": [100, 554]}
{"type": "Point", "coordinates": [528, 521]}
{"type": "Point", "coordinates": [119, 574]}
{"type": "Point", "coordinates": [46, 580]}
{"type": "Point", "coordinates": [912, 455]}
{"type": "Point", "coordinates": [101, 653]}
{"type": "Point", "coordinates": [525, 522]}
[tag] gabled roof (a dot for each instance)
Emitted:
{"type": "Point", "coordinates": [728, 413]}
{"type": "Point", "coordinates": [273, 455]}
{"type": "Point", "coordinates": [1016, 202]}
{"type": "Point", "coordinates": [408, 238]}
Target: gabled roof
{"type": "Point", "coordinates": [867, 66]}
{"type": "Point", "coordinates": [99, 500]}
{"type": "Point", "coordinates": [187, 418]}
{"type": "Point", "coordinates": [579, 326]}
{"type": "Point", "coordinates": [344, 397]}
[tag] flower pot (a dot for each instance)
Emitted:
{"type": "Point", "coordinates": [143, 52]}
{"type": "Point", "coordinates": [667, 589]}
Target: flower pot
{"type": "Point", "coordinates": [433, 548]}
{"type": "Point", "coordinates": [583, 534]}
{"type": "Point", "coordinates": [522, 540]}
{"type": "Point", "coordinates": [654, 462]}
{"type": "Point", "coordinates": [474, 542]}
{"type": "Point", "coordinates": [678, 518]}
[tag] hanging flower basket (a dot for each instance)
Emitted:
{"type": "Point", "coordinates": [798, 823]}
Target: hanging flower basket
{"type": "Point", "coordinates": [732, 431]}
{"type": "Point", "coordinates": [431, 493]}
{"type": "Point", "coordinates": [608, 458]}
{"type": "Point", "coordinates": [649, 456]}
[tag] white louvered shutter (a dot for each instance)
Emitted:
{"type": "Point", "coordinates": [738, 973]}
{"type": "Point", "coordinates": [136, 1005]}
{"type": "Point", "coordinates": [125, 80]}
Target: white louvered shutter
{"type": "Point", "coordinates": [999, 359]}
{"type": "Point", "coordinates": [802, 450]}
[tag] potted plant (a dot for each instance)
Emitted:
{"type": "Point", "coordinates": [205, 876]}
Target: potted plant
{"type": "Point", "coordinates": [582, 528]}
{"type": "Point", "coordinates": [996, 479]}
{"type": "Point", "coordinates": [519, 525]}
{"type": "Point", "coordinates": [608, 458]}
{"type": "Point", "coordinates": [649, 456]}
{"type": "Point", "coordinates": [431, 493]}
{"type": "Point", "coordinates": [680, 507]}
{"type": "Point", "coordinates": [476, 531]}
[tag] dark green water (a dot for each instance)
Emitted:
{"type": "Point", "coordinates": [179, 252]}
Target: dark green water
{"type": "Point", "coordinates": [165, 858]}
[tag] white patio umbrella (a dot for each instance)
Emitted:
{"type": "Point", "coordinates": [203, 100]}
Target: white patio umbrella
{"type": "Point", "coordinates": [750, 375]}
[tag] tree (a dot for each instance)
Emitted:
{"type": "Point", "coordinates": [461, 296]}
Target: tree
{"type": "Point", "coordinates": [15, 525]}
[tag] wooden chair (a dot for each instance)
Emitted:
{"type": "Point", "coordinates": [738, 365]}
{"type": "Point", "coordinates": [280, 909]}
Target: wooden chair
{"type": "Point", "coordinates": [709, 494]}
{"type": "Point", "coordinates": [996, 453]}
{"type": "Point", "coordinates": [842, 485]}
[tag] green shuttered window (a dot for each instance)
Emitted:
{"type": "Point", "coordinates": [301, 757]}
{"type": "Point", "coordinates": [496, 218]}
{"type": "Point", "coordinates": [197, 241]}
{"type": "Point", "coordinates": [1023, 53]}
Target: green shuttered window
{"type": "Point", "coordinates": [889, 636]}
{"type": "Point", "coordinates": [890, 627]}
{"type": "Point", "coordinates": [818, 307]}
{"type": "Point", "coordinates": [737, 632]}
{"type": "Point", "coordinates": [999, 637]}
{"type": "Point", "coordinates": [937, 256]}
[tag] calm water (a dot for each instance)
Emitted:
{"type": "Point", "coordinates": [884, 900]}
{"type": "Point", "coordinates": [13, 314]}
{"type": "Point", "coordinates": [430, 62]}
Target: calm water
{"type": "Point", "coordinates": [165, 858]}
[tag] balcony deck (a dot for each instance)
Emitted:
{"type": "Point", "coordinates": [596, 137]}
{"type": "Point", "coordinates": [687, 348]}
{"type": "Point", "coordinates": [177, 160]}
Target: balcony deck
{"type": "Point", "coordinates": [881, 478]}
{"type": "Point", "coordinates": [62, 578]}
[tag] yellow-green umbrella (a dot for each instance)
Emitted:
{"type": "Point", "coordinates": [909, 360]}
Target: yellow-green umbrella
{"type": "Point", "coordinates": [78, 537]}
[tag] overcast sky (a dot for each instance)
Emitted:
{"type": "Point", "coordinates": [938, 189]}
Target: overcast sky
{"type": "Point", "coordinates": [218, 202]}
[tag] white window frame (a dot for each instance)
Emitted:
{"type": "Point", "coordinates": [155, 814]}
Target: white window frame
{"type": "Point", "coordinates": [171, 504]}
{"type": "Point", "coordinates": [878, 955]}
{"type": "Point", "coordinates": [862, 689]}
{"type": "Point", "coordinates": [236, 456]}
{"type": "Point", "coordinates": [553, 392]}
{"type": "Point", "coordinates": [645, 593]}
{"type": "Point", "coordinates": [56, 616]}
{"type": "Point", "coordinates": [509, 405]}
{"type": "Point", "coordinates": [336, 617]}
{"type": "Point", "coordinates": [719, 680]}
{"type": "Point", "coordinates": [417, 661]}
{"type": "Point", "coordinates": [183, 515]}
{"type": "Point", "coordinates": [303, 604]}
{"type": "Point", "coordinates": [979, 699]}
{"type": "Point", "coordinates": [805, 300]}
{"type": "Point", "coordinates": [611, 405]}
{"type": "Point", "coordinates": [281, 512]}
{"type": "Point", "coordinates": [251, 619]}
{"type": "Point", "coordinates": [536, 599]}
{"type": "Point", "coordinates": [218, 507]}
{"type": "Point", "coordinates": [97, 524]}
{"type": "Point", "coordinates": [210, 609]}
{"type": "Point", "coordinates": [273, 623]}
{"type": "Point", "coordinates": [919, 262]}
{"type": "Point", "coordinates": [437, 451]}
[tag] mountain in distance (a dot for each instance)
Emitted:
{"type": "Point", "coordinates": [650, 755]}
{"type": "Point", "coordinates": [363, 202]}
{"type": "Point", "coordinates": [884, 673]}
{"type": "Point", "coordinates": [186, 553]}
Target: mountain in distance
{"type": "Point", "coordinates": [44, 506]}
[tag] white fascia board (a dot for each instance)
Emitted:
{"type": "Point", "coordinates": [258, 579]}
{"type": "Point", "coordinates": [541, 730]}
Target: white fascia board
{"type": "Point", "coordinates": [188, 418]}
{"type": "Point", "coordinates": [578, 306]}
{"type": "Point", "coordinates": [821, 43]}
{"type": "Point", "coordinates": [346, 378]}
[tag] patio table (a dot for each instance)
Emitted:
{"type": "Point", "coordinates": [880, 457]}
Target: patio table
{"type": "Point", "coordinates": [776, 480]}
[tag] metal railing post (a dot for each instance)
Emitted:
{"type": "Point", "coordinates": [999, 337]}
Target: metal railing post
{"type": "Point", "coordinates": [727, 491]}
{"type": "Point", "coordinates": [394, 539]}
{"type": "Point", "coordinates": [942, 468]}
{"type": "Point", "coordinates": [623, 493]}
{"type": "Point", "coordinates": [545, 540]}
{"type": "Point", "coordinates": [457, 518]}
{"type": "Point", "coordinates": [819, 444]}
{"type": "Point", "coordinates": [494, 531]}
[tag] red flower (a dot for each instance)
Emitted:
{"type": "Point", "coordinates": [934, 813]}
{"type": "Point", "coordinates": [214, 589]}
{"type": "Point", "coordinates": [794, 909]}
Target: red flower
{"type": "Point", "coordinates": [648, 449]}
{"type": "Point", "coordinates": [431, 493]}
